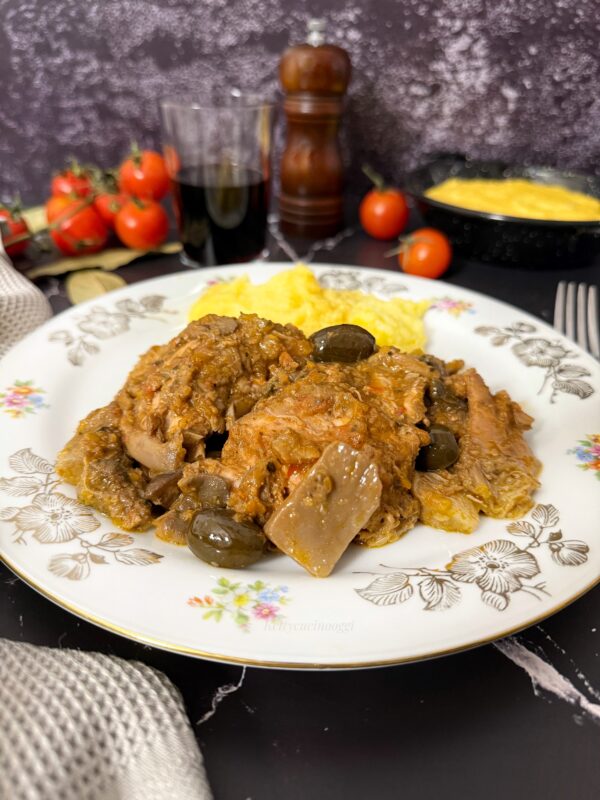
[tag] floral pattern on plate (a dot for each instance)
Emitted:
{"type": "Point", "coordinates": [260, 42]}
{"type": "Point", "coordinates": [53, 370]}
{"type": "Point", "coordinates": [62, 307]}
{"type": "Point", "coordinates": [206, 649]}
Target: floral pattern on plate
{"type": "Point", "coordinates": [51, 517]}
{"type": "Point", "coordinates": [22, 398]}
{"type": "Point", "coordinates": [351, 280]}
{"type": "Point", "coordinates": [242, 602]}
{"type": "Point", "coordinates": [453, 307]}
{"type": "Point", "coordinates": [370, 640]}
{"type": "Point", "coordinates": [100, 324]}
{"type": "Point", "coordinates": [587, 453]}
{"type": "Point", "coordinates": [498, 568]}
{"type": "Point", "coordinates": [550, 355]}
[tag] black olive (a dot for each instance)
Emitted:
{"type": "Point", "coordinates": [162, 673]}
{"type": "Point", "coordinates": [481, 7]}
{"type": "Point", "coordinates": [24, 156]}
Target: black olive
{"type": "Point", "coordinates": [162, 490]}
{"type": "Point", "coordinates": [434, 363]}
{"type": "Point", "coordinates": [344, 343]}
{"type": "Point", "coordinates": [437, 390]}
{"type": "Point", "coordinates": [219, 539]}
{"type": "Point", "coordinates": [442, 451]}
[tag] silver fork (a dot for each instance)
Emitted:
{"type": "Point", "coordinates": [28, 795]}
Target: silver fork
{"type": "Point", "coordinates": [576, 314]}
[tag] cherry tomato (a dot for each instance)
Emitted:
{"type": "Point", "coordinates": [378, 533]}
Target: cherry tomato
{"type": "Point", "coordinates": [384, 213]}
{"type": "Point", "coordinates": [425, 252]}
{"type": "Point", "coordinates": [142, 224]}
{"type": "Point", "coordinates": [383, 210]}
{"type": "Point", "coordinates": [108, 204]}
{"type": "Point", "coordinates": [144, 174]}
{"type": "Point", "coordinates": [13, 226]}
{"type": "Point", "coordinates": [76, 181]}
{"type": "Point", "coordinates": [55, 206]}
{"type": "Point", "coordinates": [75, 226]}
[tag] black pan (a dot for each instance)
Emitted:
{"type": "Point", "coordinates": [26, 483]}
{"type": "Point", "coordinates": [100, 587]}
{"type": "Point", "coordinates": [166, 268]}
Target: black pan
{"type": "Point", "coordinates": [510, 241]}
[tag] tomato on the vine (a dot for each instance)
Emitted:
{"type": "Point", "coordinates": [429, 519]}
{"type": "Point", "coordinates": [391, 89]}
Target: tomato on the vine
{"type": "Point", "coordinates": [75, 181]}
{"type": "Point", "coordinates": [425, 252]}
{"type": "Point", "coordinates": [142, 224]}
{"type": "Point", "coordinates": [13, 228]}
{"type": "Point", "coordinates": [144, 174]}
{"type": "Point", "coordinates": [108, 205]}
{"type": "Point", "coordinates": [75, 226]}
{"type": "Point", "coordinates": [55, 206]}
{"type": "Point", "coordinates": [383, 211]}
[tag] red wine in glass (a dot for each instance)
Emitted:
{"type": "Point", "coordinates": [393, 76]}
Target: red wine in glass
{"type": "Point", "coordinates": [222, 212]}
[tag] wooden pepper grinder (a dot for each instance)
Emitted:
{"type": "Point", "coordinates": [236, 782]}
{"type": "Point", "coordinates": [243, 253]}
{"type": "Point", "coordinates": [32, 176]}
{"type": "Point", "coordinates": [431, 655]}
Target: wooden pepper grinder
{"type": "Point", "coordinates": [314, 77]}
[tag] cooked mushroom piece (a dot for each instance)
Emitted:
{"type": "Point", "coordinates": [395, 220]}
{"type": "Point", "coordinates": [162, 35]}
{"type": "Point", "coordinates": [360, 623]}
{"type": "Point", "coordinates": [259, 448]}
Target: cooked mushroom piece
{"type": "Point", "coordinates": [173, 526]}
{"type": "Point", "coordinates": [327, 509]}
{"type": "Point", "coordinates": [209, 491]}
{"type": "Point", "coordinates": [152, 453]}
{"type": "Point", "coordinates": [162, 490]}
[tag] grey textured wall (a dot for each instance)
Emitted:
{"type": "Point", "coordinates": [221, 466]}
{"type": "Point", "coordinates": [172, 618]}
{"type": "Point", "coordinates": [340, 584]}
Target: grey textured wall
{"type": "Point", "coordinates": [515, 79]}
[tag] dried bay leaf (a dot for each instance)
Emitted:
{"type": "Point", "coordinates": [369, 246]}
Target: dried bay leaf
{"type": "Point", "coordinates": [107, 260]}
{"type": "Point", "coordinates": [35, 218]}
{"type": "Point", "coordinates": [86, 285]}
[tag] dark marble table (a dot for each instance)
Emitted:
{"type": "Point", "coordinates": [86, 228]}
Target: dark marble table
{"type": "Point", "coordinates": [467, 726]}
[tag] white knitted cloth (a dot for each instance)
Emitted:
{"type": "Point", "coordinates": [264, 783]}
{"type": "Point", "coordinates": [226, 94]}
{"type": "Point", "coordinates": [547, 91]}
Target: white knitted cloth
{"type": "Point", "coordinates": [22, 306]}
{"type": "Point", "coordinates": [87, 726]}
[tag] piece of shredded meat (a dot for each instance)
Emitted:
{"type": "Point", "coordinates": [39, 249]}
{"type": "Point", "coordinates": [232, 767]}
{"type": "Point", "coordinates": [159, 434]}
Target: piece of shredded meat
{"type": "Point", "coordinates": [175, 396]}
{"type": "Point", "coordinates": [496, 472]}
{"type": "Point", "coordinates": [234, 414]}
{"type": "Point", "coordinates": [269, 450]}
{"type": "Point", "coordinates": [217, 368]}
{"type": "Point", "coordinates": [96, 462]}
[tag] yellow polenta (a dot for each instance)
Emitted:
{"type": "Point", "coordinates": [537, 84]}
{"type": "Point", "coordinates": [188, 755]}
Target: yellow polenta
{"type": "Point", "coordinates": [295, 296]}
{"type": "Point", "coordinates": [517, 197]}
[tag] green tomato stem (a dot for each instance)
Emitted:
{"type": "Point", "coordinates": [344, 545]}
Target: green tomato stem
{"type": "Point", "coordinates": [403, 244]}
{"type": "Point", "coordinates": [136, 154]}
{"type": "Point", "coordinates": [375, 178]}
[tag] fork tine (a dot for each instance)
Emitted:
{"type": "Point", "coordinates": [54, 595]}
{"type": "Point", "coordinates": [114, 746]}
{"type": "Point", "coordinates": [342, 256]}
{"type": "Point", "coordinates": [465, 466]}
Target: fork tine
{"type": "Point", "coordinates": [570, 310]}
{"type": "Point", "coordinates": [559, 307]}
{"type": "Point", "coordinates": [593, 322]}
{"type": "Point", "coordinates": [582, 323]}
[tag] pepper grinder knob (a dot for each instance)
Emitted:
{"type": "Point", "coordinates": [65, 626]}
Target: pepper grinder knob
{"type": "Point", "coordinates": [316, 31]}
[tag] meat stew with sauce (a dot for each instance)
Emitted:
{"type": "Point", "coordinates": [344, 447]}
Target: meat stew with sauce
{"type": "Point", "coordinates": [241, 436]}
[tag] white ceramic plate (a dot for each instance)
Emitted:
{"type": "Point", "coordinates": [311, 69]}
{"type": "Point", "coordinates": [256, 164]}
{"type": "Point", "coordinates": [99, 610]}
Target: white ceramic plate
{"type": "Point", "coordinates": [437, 593]}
